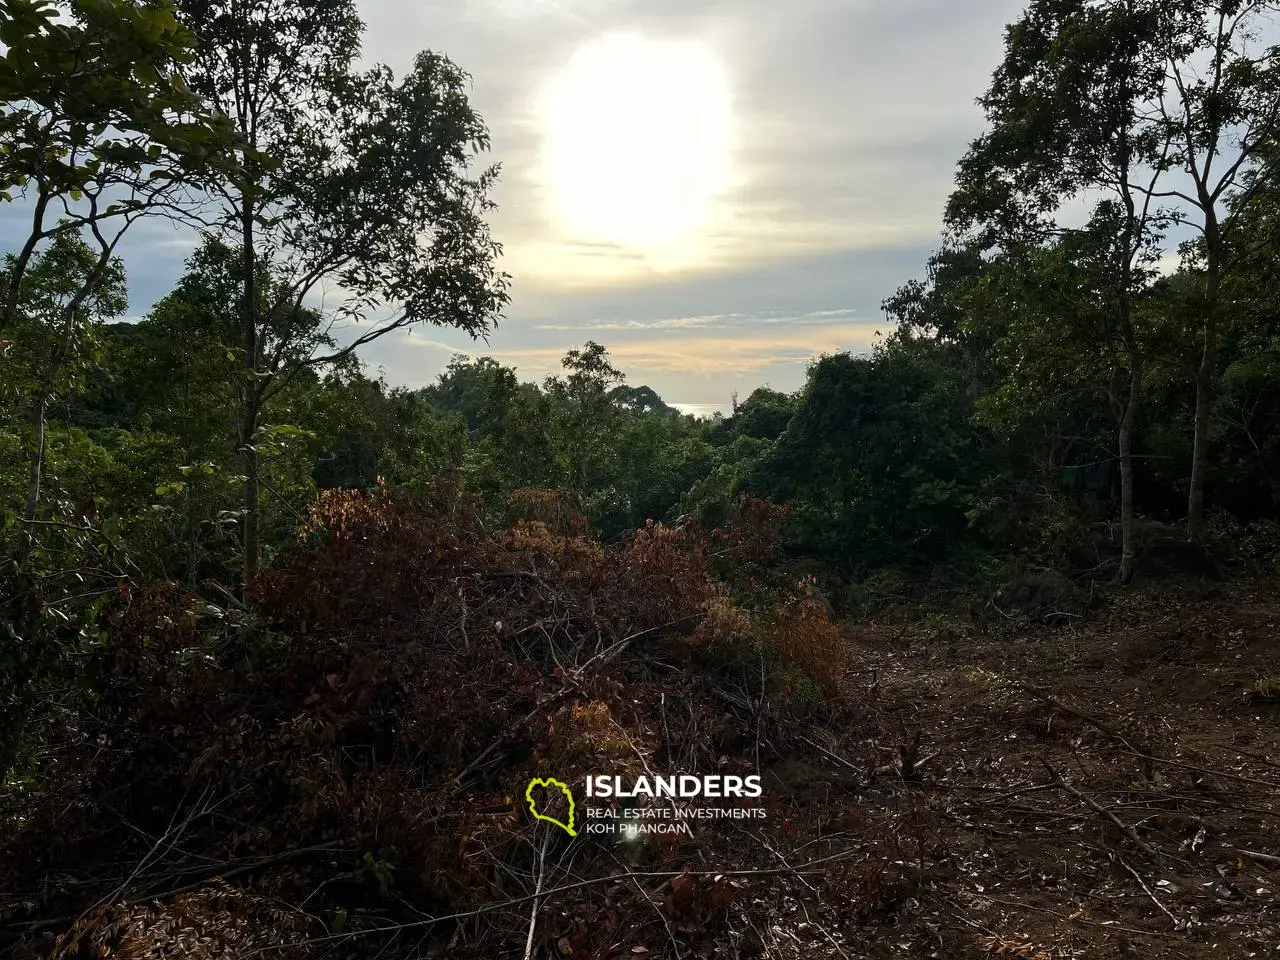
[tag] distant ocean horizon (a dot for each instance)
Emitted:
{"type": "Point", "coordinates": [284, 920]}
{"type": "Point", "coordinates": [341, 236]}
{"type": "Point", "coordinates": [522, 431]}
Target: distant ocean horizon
{"type": "Point", "coordinates": [700, 409]}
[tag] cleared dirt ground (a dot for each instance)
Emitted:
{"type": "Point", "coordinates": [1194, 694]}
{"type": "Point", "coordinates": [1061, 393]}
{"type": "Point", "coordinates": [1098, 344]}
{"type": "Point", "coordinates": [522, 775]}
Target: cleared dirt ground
{"type": "Point", "coordinates": [1105, 788]}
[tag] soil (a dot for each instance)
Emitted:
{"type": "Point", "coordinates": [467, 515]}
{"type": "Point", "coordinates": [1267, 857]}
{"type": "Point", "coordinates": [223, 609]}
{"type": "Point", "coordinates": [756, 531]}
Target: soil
{"type": "Point", "coordinates": [1106, 789]}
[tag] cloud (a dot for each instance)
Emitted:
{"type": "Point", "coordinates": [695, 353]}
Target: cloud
{"type": "Point", "coordinates": [747, 333]}
{"type": "Point", "coordinates": [739, 354]}
{"type": "Point", "coordinates": [715, 320]}
{"type": "Point", "coordinates": [849, 117]}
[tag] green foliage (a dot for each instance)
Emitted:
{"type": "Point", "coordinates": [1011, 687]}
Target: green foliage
{"type": "Point", "coordinates": [880, 457]}
{"type": "Point", "coordinates": [53, 332]}
{"type": "Point", "coordinates": [764, 415]}
{"type": "Point", "coordinates": [119, 112]}
{"type": "Point", "coordinates": [184, 445]}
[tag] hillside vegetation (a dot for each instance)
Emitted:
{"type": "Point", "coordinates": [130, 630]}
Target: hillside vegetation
{"type": "Point", "coordinates": [990, 609]}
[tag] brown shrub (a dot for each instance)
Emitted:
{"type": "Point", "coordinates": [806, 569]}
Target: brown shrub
{"type": "Point", "coordinates": [405, 675]}
{"type": "Point", "coordinates": [806, 639]}
{"type": "Point", "coordinates": [752, 533]}
{"type": "Point", "coordinates": [549, 507]}
{"type": "Point", "coordinates": [724, 625]}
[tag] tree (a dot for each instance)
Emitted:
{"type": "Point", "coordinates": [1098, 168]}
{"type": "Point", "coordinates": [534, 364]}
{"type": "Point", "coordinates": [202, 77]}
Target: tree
{"type": "Point", "coordinates": [879, 460]}
{"type": "Point", "coordinates": [935, 306]}
{"type": "Point", "coordinates": [1222, 113]}
{"type": "Point", "coordinates": [465, 387]}
{"type": "Point", "coordinates": [517, 429]}
{"type": "Point", "coordinates": [1246, 410]}
{"type": "Point", "coordinates": [1199, 96]}
{"type": "Point", "coordinates": [349, 180]}
{"type": "Point", "coordinates": [65, 294]}
{"type": "Point", "coordinates": [98, 129]}
{"type": "Point", "coordinates": [764, 414]}
{"type": "Point", "coordinates": [1066, 109]}
{"type": "Point", "coordinates": [586, 418]}
{"type": "Point", "coordinates": [641, 401]}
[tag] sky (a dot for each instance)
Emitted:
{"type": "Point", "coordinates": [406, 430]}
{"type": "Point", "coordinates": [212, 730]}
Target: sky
{"type": "Point", "coordinates": [717, 190]}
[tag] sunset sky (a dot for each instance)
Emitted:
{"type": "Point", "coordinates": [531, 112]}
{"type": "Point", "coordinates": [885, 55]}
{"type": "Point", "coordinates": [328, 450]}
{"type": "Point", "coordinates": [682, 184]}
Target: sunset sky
{"type": "Point", "coordinates": [717, 190]}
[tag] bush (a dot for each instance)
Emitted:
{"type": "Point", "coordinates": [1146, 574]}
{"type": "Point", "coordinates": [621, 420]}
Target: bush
{"type": "Point", "coordinates": [807, 640]}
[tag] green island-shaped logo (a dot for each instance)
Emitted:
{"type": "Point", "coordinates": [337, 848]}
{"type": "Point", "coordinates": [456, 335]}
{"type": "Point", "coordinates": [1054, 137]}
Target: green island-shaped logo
{"type": "Point", "coordinates": [533, 804]}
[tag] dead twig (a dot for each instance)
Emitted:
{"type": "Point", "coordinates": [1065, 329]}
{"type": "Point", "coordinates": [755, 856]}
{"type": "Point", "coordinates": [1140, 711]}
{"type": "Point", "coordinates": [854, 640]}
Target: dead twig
{"type": "Point", "coordinates": [1254, 756]}
{"type": "Point", "coordinates": [1109, 927]}
{"type": "Point", "coordinates": [577, 679]}
{"type": "Point", "coordinates": [1079, 715]}
{"type": "Point", "coordinates": [1128, 831]}
{"type": "Point", "coordinates": [831, 756]}
{"type": "Point", "coordinates": [1147, 890]}
{"type": "Point", "coordinates": [244, 868]}
{"type": "Point", "coordinates": [1142, 754]}
{"type": "Point", "coordinates": [1038, 788]}
{"type": "Point", "coordinates": [903, 768]}
{"type": "Point", "coordinates": [222, 874]}
{"type": "Point", "coordinates": [1269, 784]}
{"type": "Point", "coordinates": [537, 891]}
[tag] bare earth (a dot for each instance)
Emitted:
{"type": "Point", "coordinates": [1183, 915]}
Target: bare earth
{"type": "Point", "coordinates": [1104, 789]}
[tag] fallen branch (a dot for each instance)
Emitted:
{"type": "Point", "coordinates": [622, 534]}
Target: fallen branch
{"type": "Point", "coordinates": [1254, 756]}
{"type": "Point", "coordinates": [1129, 831]}
{"type": "Point", "coordinates": [1037, 788]}
{"type": "Point", "coordinates": [1092, 721]}
{"type": "Point", "coordinates": [1109, 927]}
{"type": "Point", "coordinates": [537, 892]}
{"type": "Point", "coordinates": [249, 867]}
{"type": "Point", "coordinates": [1269, 784]}
{"type": "Point", "coordinates": [904, 770]}
{"type": "Point", "coordinates": [1147, 890]}
{"type": "Point", "coordinates": [220, 874]}
{"type": "Point", "coordinates": [1141, 754]}
{"type": "Point", "coordinates": [827, 753]}
{"type": "Point", "coordinates": [578, 678]}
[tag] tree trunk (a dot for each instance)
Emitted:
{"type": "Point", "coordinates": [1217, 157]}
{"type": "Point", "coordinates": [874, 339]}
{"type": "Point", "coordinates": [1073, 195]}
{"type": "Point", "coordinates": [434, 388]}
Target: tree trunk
{"type": "Point", "coordinates": [193, 541]}
{"type": "Point", "coordinates": [1204, 401]}
{"type": "Point", "coordinates": [251, 526]}
{"type": "Point", "coordinates": [37, 457]}
{"type": "Point", "coordinates": [1128, 423]}
{"type": "Point", "coordinates": [252, 520]}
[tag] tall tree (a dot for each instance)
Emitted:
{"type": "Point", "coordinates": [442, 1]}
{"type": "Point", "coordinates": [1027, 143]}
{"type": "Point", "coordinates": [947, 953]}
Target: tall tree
{"type": "Point", "coordinates": [586, 416]}
{"type": "Point", "coordinates": [352, 181]}
{"type": "Point", "coordinates": [1197, 97]}
{"type": "Point", "coordinates": [1066, 109]}
{"type": "Point", "coordinates": [1221, 109]}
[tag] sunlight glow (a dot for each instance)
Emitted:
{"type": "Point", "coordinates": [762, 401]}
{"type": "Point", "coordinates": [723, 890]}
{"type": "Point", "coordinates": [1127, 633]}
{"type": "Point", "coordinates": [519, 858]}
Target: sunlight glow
{"type": "Point", "coordinates": [637, 139]}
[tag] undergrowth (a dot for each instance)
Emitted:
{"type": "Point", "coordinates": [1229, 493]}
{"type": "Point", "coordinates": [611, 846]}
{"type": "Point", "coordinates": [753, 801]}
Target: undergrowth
{"type": "Point", "coordinates": [358, 735]}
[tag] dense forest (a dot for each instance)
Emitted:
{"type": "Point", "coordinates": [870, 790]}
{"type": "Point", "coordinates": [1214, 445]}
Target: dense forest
{"type": "Point", "coordinates": [283, 642]}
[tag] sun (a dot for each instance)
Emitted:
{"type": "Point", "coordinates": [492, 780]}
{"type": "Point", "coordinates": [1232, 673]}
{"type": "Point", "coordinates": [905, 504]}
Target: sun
{"type": "Point", "coordinates": [637, 139]}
